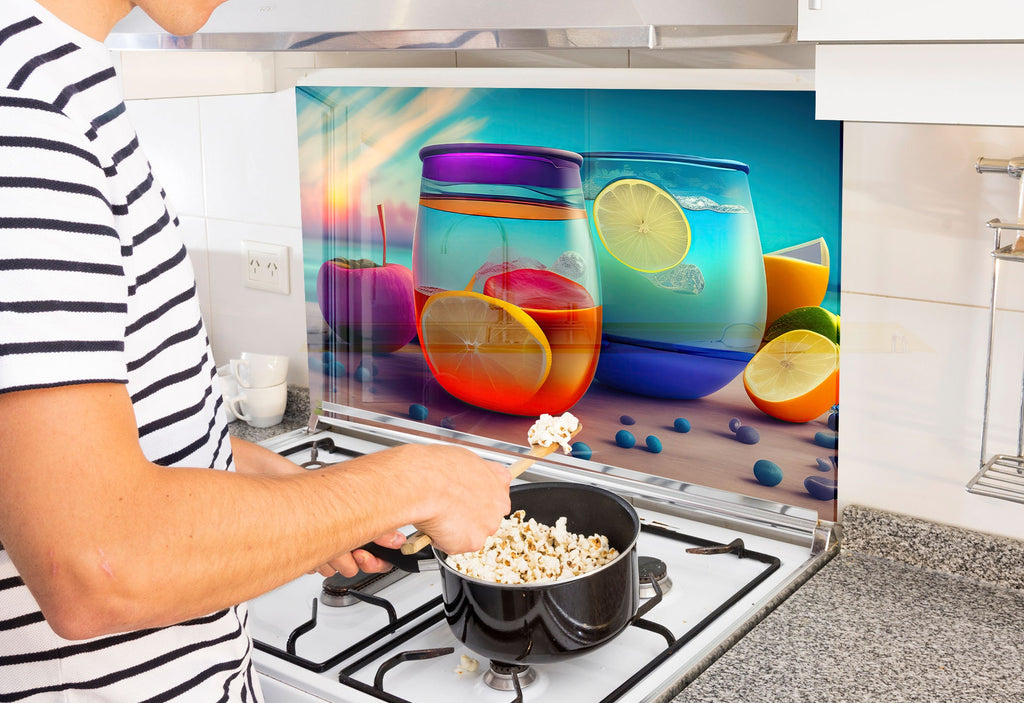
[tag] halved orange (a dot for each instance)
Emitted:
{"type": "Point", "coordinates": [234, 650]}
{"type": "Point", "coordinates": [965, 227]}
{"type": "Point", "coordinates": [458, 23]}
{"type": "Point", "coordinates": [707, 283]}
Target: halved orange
{"type": "Point", "coordinates": [794, 377]}
{"type": "Point", "coordinates": [796, 276]}
{"type": "Point", "coordinates": [483, 350]}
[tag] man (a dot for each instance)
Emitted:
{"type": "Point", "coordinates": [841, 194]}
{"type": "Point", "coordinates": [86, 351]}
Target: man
{"type": "Point", "coordinates": [124, 556]}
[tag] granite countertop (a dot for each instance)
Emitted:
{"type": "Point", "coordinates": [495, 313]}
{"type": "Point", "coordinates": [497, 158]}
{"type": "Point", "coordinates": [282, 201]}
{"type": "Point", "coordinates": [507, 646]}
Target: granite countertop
{"type": "Point", "coordinates": [909, 610]}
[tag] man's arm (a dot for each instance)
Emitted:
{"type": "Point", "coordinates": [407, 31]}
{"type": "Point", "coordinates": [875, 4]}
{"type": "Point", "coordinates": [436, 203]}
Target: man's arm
{"type": "Point", "coordinates": [99, 533]}
{"type": "Point", "coordinates": [251, 458]}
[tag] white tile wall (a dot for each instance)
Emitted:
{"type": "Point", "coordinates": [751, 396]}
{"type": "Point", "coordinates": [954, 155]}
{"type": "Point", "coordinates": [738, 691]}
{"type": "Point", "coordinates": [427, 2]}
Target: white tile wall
{"type": "Point", "coordinates": [230, 167]}
{"type": "Point", "coordinates": [916, 282]}
{"type": "Point", "coordinates": [250, 158]}
{"type": "Point", "coordinates": [916, 287]}
{"type": "Point", "coordinates": [244, 319]}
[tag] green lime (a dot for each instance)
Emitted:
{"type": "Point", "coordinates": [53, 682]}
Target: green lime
{"type": "Point", "coordinates": [812, 317]}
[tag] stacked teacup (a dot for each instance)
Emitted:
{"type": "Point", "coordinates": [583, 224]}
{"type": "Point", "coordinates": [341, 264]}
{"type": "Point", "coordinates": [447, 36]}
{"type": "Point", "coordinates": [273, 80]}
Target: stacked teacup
{"type": "Point", "coordinates": [262, 390]}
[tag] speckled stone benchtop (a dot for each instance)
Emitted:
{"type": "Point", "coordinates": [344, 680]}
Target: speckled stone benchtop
{"type": "Point", "coordinates": [929, 545]}
{"type": "Point", "coordinates": [908, 611]}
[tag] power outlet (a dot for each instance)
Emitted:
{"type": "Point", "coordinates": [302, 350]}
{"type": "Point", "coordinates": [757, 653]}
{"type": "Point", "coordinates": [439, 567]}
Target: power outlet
{"type": "Point", "coordinates": [265, 266]}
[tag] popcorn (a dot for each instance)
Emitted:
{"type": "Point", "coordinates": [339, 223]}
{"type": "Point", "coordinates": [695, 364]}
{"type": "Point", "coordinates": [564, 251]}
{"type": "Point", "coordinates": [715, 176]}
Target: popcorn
{"type": "Point", "coordinates": [525, 551]}
{"type": "Point", "coordinates": [550, 430]}
{"type": "Point", "coordinates": [467, 665]}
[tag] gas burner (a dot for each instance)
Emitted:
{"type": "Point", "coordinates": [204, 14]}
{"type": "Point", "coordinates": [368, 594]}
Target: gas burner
{"type": "Point", "coordinates": [653, 568]}
{"type": "Point", "coordinates": [340, 591]}
{"type": "Point", "coordinates": [502, 677]}
{"type": "Point", "coordinates": [314, 463]}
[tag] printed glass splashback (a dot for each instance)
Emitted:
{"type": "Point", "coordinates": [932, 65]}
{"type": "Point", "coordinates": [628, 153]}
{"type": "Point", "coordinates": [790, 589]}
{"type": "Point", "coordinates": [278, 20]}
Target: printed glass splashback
{"type": "Point", "coordinates": [664, 264]}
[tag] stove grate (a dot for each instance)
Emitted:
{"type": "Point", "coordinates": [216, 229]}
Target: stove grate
{"type": "Point", "coordinates": [330, 663]}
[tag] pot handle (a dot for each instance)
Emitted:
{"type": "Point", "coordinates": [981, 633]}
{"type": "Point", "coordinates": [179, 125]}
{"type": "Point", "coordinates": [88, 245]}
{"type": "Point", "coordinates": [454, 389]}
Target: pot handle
{"type": "Point", "coordinates": [414, 563]}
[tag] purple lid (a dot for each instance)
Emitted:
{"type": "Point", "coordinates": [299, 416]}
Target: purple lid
{"type": "Point", "coordinates": [505, 164]}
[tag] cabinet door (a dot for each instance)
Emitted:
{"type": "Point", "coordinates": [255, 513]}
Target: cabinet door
{"type": "Point", "coordinates": [935, 83]}
{"type": "Point", "coordinates": [910, 20]}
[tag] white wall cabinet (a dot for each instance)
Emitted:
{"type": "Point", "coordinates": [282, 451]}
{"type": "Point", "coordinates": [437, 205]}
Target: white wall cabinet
{"type": "Point", "coordinates": [964, 83]}
{"type": "Point", "coordinates": [920, 61]}
{"type": "Point", "coordinates": [910, 20]}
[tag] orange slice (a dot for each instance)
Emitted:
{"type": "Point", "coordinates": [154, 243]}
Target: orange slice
{"type": "Point", "coordinates": [797, 277]}
{"type": "Point", "coordinates": [641, 225]}
{"type": "Point", "coordinates": [794, 377]}
{"type": "Point", "coordinates": [483, 350]}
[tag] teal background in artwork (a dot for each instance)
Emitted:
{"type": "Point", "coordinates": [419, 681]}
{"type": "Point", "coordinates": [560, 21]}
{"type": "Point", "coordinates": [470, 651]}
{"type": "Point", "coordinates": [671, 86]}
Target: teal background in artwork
{"type": "Point", "coordinates": [794, 160]}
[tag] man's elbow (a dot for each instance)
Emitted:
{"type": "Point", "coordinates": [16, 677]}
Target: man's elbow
{"type": "Point", "coordinates": [87, 602]}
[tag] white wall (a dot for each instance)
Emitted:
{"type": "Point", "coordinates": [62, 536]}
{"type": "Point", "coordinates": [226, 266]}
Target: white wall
{"type": "Point", "coordinates": [916, 283]}
{"type": "Point", "coordinates": [230, 167]}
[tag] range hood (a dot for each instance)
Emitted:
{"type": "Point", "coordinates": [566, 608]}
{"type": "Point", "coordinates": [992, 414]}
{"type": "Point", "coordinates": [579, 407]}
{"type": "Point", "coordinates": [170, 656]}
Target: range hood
{"type": "Point", "coordinates": [359, 25]}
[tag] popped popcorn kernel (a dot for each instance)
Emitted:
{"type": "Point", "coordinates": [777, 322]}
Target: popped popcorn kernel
{"type": "Point", "coordinates": [525, 551]}
{"type": "Point", "coordinates": [550, 430]}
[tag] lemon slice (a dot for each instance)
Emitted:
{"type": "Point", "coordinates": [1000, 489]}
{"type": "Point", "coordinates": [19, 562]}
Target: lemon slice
{"type": "Point", "coordinates": [641, 225]}
{"type": "Point", "coordinates": [794, 377]}
{"type": "Point", "coordinates": [483, 350]}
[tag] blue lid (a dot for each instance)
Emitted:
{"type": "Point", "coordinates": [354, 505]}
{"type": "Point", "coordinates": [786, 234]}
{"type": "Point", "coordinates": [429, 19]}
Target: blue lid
{"type": "Point", "coordinates": [661, 156]}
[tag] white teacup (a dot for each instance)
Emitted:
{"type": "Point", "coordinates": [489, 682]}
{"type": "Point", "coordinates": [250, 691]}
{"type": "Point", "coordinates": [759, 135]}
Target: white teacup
{"type": "Point", "coordinates": [228, 387]}
{"type": "Point", "coordinates": [260, 370]}
{"type": "Point", "coordinates": [260, 407]}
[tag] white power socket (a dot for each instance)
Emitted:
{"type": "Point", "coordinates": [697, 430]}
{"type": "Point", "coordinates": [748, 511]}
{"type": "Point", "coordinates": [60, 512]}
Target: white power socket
{"type": "Point", "coordinates": [265, 266]}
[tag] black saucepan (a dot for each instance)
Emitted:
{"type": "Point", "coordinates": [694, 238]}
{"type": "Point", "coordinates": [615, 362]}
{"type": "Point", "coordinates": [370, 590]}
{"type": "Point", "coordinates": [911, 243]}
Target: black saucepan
{"type": "Point", "coordinates": [542, 622]}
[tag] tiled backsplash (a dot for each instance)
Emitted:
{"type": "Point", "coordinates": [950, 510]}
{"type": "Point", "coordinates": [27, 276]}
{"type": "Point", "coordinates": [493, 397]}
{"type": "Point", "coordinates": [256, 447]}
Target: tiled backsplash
{"type": "Point", "coordinates": [916, 282]}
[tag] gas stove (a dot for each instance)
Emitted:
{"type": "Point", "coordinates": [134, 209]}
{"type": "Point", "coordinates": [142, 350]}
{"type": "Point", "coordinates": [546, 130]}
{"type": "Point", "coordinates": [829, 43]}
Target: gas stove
{"type": "Point", "coordinates": [712, 565]}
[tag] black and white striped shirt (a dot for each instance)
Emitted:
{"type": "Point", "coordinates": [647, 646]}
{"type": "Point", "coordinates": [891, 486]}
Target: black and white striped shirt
{"type": "Point", "coordinates": [95, 286]}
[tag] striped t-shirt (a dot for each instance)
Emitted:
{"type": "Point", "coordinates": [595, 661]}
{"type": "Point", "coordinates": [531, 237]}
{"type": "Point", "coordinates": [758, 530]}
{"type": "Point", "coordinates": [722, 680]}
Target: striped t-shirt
{"type": "Point", "coordinates": [95, 286]}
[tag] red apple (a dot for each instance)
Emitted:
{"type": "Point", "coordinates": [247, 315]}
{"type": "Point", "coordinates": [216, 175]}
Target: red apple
{"type": "Point", "coordinates": [368, 305]}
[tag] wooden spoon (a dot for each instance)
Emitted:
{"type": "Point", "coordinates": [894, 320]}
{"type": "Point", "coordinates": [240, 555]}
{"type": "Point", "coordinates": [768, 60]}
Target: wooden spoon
{"type": "Point", "coordinates": [418, 540]}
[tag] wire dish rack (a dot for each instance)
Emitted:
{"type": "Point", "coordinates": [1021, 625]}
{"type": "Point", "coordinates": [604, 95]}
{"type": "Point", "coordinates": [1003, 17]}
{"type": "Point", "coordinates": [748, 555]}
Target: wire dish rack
{"type": "Point", "coordinates": [1001, 475]}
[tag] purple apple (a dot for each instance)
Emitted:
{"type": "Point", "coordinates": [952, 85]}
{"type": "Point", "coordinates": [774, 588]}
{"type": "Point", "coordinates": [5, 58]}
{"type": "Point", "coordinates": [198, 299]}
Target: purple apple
{"type": "Point", "coordinates": [368, 305]}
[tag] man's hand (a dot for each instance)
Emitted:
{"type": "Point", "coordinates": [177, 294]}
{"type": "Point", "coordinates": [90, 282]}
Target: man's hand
{"type": "Point", "coordinates": [350, 563]}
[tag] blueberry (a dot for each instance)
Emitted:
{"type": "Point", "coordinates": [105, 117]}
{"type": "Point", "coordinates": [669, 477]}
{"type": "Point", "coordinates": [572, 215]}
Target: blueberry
{"type": "Point", "coordinates": [829, 440]}
{"type": "Point", "coordinates": [625, 439]}
{"type": "Point", "coordinates": [747, 435]}
{"type": "Point", "coordinates": [653, 444]}
{"type": "Point", "coordinates": [418, 412]}
{"type": "Point", "coordinates": [820, 487]}
{"type": "Point", "coordinates": [833, 421]}
{"type": "Point", "coordinates": [581, 451]}
{"type": "Point", "coordinates": [627, 420]}
{"type": "Point", "coordinates": [734, 424]}
{"type": "Point", "coordinates": [448, 423]}
{"type": "Point", "coordinates": [363, 374]}
{"type": "Point", "coordinates": [767, 472]}
{"type": "Point", "coordinates": [681, 424]}
{"type": "Point", "coordinates": [332, 367]}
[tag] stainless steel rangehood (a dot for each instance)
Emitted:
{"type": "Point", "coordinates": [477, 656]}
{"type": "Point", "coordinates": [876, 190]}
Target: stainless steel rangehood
{"type": "Point", "coordinates": [363, 25]}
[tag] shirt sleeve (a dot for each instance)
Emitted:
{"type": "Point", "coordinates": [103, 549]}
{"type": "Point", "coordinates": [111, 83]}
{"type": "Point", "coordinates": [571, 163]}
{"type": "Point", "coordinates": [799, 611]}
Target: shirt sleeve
{"type": "Point", "coordinates": [63, 289]}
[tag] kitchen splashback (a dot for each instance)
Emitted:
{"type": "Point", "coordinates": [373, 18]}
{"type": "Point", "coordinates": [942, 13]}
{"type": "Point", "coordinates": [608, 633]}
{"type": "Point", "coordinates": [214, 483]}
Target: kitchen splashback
{"type": "Point", "coordinates": [475, 256]}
